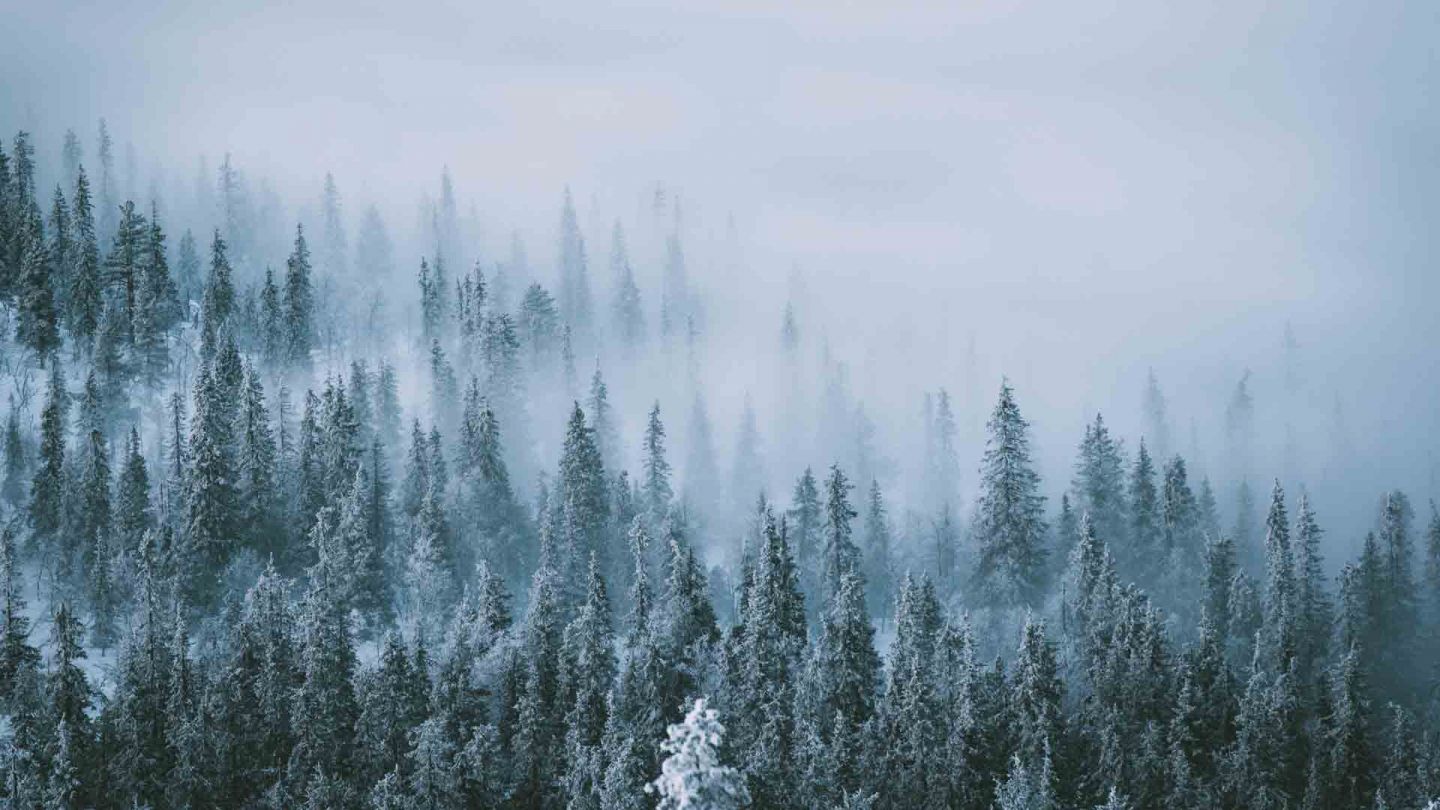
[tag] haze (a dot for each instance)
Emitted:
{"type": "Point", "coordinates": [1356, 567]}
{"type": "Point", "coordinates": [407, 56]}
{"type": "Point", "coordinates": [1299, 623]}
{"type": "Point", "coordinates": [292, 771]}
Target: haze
{"type": "Point", "coordinates": [1086, 190]}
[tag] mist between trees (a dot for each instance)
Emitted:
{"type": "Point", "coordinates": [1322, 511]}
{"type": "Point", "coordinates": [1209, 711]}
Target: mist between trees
{"type": "Point", "coordinates": [291, 519]}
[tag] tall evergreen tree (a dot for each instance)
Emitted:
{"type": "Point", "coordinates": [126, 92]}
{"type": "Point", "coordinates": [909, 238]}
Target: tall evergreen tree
{"type": "Point", "coordinates": [1145, 520]}
{"type": "Point", "coordinates": [298, 303]}
{"type": "Point", "coordinates": [1099, 482]}
{"type": "Point", "coordinates": [36, 328]}
{"type": "Point", "coordinates": [575, 304]}
{"type": "Point", "coordinates": [629, 315]}
{"type": "Point", "coordinates": [1009, 516]}
{"type": "Point", "coordinates": [655, 485]}
{"type": "Point", "coordinates": [692, 776]}
{"type": "Point", "coordinates": [582, 488]}
{"type": "Point", "coordinates": [878, 561]}
{"type": "Point", "coordinates": [46, 489]}
{"type": "Point", "coordinates": [84, 301]}
{"type": "Point", "coordinates": [841, 555]}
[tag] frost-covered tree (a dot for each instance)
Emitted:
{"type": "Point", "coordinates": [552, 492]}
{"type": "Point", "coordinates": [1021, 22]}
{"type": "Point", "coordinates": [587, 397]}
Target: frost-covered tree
{"type": "Point", "coordinates": [692, 777]}
{"type": "Point", "coordinates": [1009, 514]}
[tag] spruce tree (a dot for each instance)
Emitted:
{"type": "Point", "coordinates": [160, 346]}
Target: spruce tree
{"type": "Point", "coordinates": [12, 485]}
{"type": "Point", "coordinates": [692, 776]}
{"type": "Point", "coordinates": [273, 345]}
{"type": "Point", "coordinates": [392, 705]}
{"type": "Point", "coordinates": [19, 659]}
{"type": "Point", "coordinates": [38, 328]}
{"type": "Point", "coordinates": [1145, 558]}
{"type": "Point", "coordinates": [655, 483]}
{"type": "Point", "coordinates": [46, 489]}
{"type": "Point", "coordinates": [629, 314]}
{"type": "Point", "coordinates": [298, 305]}
{"type": "Point", "coordinates": [125, 265]}
{"type": "Point", "coordinates": [602, 418]}
{"type": "Point", "coordinates": [211, 512]}
{"type": "Point", "coordinates": [84, 300]}
{"type": "Point", "coordinates": [1314, 613]}
{"type": "Point", "coordinates": [575, 303]}
{"type": "Point", "coordinates": [219, 292]}
{"type": "Point", "coordinates": [841, 556]}
{"type": "Point", "coordinates": [255, 467]}
{"type": "Point", "coordinates": [134, 515]}
{"type": "Point", "coordinates": [325, 709]}
{"type": "Point", "coordinates": [587, 671]}
{"type": "Point", "coordinates": [1281, 634]}
{"type": "Point", "coordinates": [878, 563]}
{"type": "Point", "coordinates": [187, 273]}
{"type": "Point", "coordinates": [1099, 483]}
{"type": "Point", "coordinates": [1348, 754]}
{"type": "Point", "coordinates": [582, 489]}
{"type": "Point", "coordinates": [1009, 515]}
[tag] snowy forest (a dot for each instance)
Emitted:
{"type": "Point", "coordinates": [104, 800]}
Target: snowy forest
{"type": "Point", "coordinates": [710, 405]}
{"type": "Point", "coordinates": [292, 521]}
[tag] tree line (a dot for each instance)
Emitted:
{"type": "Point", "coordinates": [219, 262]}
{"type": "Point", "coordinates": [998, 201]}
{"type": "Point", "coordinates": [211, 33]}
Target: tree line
{"type": "Point", "coordinates": [307, 595]}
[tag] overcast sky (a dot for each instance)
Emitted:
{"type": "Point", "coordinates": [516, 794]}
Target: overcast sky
{"type": "Point", "coordinates": [1091, 187]}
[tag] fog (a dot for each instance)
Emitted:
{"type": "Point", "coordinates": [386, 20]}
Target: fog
{"type": "Point", "coordinates": [1081, 192]}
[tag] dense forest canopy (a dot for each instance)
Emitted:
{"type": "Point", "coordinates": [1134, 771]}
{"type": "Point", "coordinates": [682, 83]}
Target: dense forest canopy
{"type": "Point", "coordinates": [419, 450]}
{"type": "Point", "coordinates": [284, 534]}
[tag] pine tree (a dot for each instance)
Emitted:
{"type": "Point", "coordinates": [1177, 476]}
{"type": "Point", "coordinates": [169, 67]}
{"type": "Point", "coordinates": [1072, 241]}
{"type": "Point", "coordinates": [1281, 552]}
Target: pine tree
{"type": "Point", "coordinates": [582, 488]}
{"type": "Point", "coordinates": [655, 485]}
{"type": "Point", "coordinates": [628, 312]}
{"type": "Point", "coordinates": [392, 705]}
{"type": "Point", "coordinates": [1180, 517]}
{"type": "Point", "coordinates": [133, 513]}
{"type": "Point", "coordinates": [1009, 523]}
{"type": "Point", "coordinates": [19, 660]}
{"type": "Point", "coordinates": [685, 621]}
{"type": "Point", "coordinates": [692, 776]}
{"type": "Point", "coordinates": [1099, 482]}
{"type": "Point", "coordinates": [588, 669]}
{"type": "Point", "coordinates": [325, 708]}
{"type": "Point", "coordinates": [769, 659]}
{"type": "Point", "coordinates": [575, 304]}
{"type": "Point", "coordinates": [211, 513]}
{"type": "Point", "coordinates": [1314, 613]}
{"type": "Point", "coordinates": [125, 266]}
{"type": "Point", "coordinates": [94, 526]}
{"type": "Point", "coordinates": [607, 437]}
{"type": "Point", "coordinates": [12, 486]}
{"type": "Point", "coordinates": [1037, 695]}
{"type": "Point", "coordinates": [187, 274]}
{"type": "Point", "coordinates": [1280, 588]}
{"type": "Point", "coordinates": [84, 301]}
{"type": "Point", "coordinates": [219, 293]}
{"type": "Point", "coordinates": [1145, 539]}
{"type": "Point", "coordinates": [1349, 763]}
{"type": "Point", "coordinates": [429, 573]}
{"type": "Point", "coordinates": [157, 306]}
{"type": "Point", "coordinates": [879, 566]}
{"type": "Point", "coordinates": [273, 345]}
{"type": "Point", "coordinates": [702, 476]}
{"type": "Point", "coordinates": [298, 304]}
{"type": "Point", "coordinates": [108, 202]}
{"type": "Point", "coordinates": [71, 155]}
{"type": "Point", "coordinates": [1220, 568]}
{"type": "Point", "coordinates": [46, 489]}
{"type": "Point", "coordinates": [37, 328]}
{"type": "Point", "coordinates": [841, 556]}
{"type": "Point", "coordinates": [805, 520]}
{"type": "Point", "coordinates": [848, 666]}
{"type": "Point", "coordinates": [69, 692]}
{"type": "Point", "coordinates": [1432, 550]}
